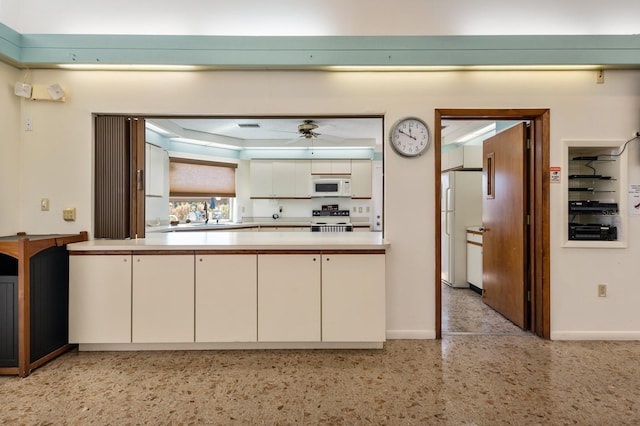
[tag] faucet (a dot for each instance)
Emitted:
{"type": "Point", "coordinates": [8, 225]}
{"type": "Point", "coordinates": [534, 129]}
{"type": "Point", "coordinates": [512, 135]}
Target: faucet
{"type": "Point", "coordinates": [206, 213]}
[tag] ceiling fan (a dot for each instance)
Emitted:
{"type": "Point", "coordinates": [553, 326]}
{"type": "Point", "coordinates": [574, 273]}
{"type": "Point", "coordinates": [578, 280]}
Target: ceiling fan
{"type": "Point", "coordinates": [307, 128]}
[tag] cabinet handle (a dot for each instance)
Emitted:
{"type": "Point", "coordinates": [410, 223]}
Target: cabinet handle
{"type": "Point", "coordinates": [200, 259]}
{"type": "Point", "coordinates": [125, 260]}
{"type": "Point", "coordinates": [328, 259]}
{"type": "Point", "coordinates": [314, 259]}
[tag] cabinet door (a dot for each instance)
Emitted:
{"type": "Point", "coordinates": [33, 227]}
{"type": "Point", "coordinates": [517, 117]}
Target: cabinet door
{"type": "Point", "coordinates": [302, 179]}
{"type": "Point", "coordinates": [289, 298]}
{"type": "Point", "coordinates": [321, 167]}
{"type": "Point", "coordinates": [474, 265]}
{"type": "Point", "coordinates": [226, 298]}
{"type": "Point", "coordinates": [163, 294]}
{"type": "Point", "coordinates": [100, 299]}
{"type": "Point", "coordinates": [284, 175]}
{"type": "Point", "coordinates": [261, 177]}
{"type": "Point", "coordinates": [361, 178]}
{"type": "Point", "coordinates": [341, 167]}
{"type": "Point", "coordinates": [353, 298]}
{"type": "Point", "coordinates": [154, 170]}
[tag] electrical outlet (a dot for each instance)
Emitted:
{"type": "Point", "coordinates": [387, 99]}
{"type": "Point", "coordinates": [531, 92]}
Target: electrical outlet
{"type": "Point", "coordinates": [28, 124]}
{"type": "Point", "coordinates": [44, 204]}
{"type": "Point", "coordinates": [602, 290]}
{"type": "Point", "coordinates": [69, 214]}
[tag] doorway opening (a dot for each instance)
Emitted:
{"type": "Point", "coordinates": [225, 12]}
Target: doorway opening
{"type": "Point", "coordinates": [535, 188]}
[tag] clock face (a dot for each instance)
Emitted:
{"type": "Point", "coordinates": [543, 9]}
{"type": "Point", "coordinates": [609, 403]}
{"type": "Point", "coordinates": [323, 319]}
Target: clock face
{"type": "Point", "coordinates": [410, 137]}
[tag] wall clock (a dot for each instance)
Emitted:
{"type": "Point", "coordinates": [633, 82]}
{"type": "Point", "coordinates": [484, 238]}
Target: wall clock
{"type": "Point", "coordinates": [410, 137]}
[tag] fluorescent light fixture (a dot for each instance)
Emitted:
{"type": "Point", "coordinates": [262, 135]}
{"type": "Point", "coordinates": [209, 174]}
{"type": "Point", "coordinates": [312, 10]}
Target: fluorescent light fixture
{"type": "Point", "coordinates": [206, 143]}
{"type": "Point", "coordinates": [156, 129]}
{"type": "Point", "coordinates": [423, 68]}
{"type": "Point", "coordinates": [476, 133]}
{"type": "Point", "coordinates": [128, 67]}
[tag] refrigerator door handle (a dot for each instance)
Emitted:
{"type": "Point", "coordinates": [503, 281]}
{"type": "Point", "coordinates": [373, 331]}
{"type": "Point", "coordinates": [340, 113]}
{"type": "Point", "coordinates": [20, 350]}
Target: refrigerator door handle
{"type": "Point", "coordinates": [446, 223]}
{"type": "Point", "coordinates": [447, 199]}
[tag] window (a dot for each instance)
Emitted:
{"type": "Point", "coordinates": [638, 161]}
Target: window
{"type": "Point", "coordinates": [201, 190]}
{"type": "Point", "coordinates": [198, 210]}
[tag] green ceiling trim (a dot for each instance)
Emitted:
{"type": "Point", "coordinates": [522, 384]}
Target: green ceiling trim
{"type": "Point", "coordinates": [9, 44]}
{"type": "Point", "coordinates": [43, 50]}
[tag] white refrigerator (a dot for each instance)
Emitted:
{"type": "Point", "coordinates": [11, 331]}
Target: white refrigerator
{"type": "Point", "coordinates": [461, 207]}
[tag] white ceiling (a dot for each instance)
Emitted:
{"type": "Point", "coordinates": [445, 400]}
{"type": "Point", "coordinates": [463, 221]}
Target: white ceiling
{"type": "Point", "coordinates": [279, 132]}
{"type": "Point", "coordinates": [275, 132]}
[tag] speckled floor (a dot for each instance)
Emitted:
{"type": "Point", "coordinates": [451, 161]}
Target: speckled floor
{"type": "Point", "coordinates": [463, 379]}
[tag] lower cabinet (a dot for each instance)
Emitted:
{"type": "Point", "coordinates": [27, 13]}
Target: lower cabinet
{"type": "Point", "coordinates": [100, 299]}
{"type": "Point", "coordinates": [289, 298]}
{"type": "Point", "coordinates": [226, 298]}
{"type": "Point", "coordinates": [353, 298]}
{"type": "Point", "coordinates": [246, 297]}
{"type": "Point", "coordinates": [163, 298]}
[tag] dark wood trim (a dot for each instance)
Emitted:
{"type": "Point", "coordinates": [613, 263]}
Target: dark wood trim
{"type": "Point", "coordinates": [539, 245]}
{"type": "Point", "coordinates": [376, 251]}
{"type": "Point", "coordinates": [138, 184]}
{"type": "Point", "coordinates": [473, 243]}
{"type": "Point", "coordinates": [51, 355]}
{"type": "Point", "coordinates": [474, 232]}
{"type": "Point", "coordinates": [224, 252]}
{"type": "Point", "coordinates": [24, 312]}
{"type": "Point", "coordinates": [178, 252]}
{"type": "Point", "coordinates": [9, 371]}
{"type": "Point", "coordinates": [99, 252]}
{"type": "Point", "coordinates": [280, 198]}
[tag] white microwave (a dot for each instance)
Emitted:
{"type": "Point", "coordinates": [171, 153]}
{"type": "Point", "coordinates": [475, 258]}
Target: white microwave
{"type": "Point", "coordinates": [331, 187]}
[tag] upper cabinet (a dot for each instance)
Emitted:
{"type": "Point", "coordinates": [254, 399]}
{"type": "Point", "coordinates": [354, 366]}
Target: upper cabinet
{"type": "Point", "coordinates": [292, 178]}
{"type": "Point", "coordinates": [463, 157]}
{"type": "Point", "coordinates": [280, 179]}
{"type": "Point", "coordinates": [154, 170]}
{"type": "Point", "coordinates": [361, 181]}
{"type": "Point", "coordinates": [331, 167]}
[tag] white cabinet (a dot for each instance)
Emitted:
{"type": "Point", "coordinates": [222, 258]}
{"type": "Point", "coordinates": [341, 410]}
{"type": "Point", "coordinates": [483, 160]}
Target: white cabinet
{"type": "Point", "coordinates": [226, 298]}
{"type": "Point", "coordinates": [331, 167]}
{"type": "Point", "coordinates": [302, 179]}
{"type": "Point", "coordinates": [154, 170]}
{"type": "Point", "coordinates": [464, 157]}
{"type": "Point", "coordinates": [163, 298]}
{"type": "Point", "coordinates": [289, 298]}
{"type": "Point", "coordinates": [261, 179]}
{"type": "Point", "coordinates": [474, 258]}
{"type": "Point", "coordinates": [280, 179]}
{"type": "Point", "coordinates": [100, 299]}
{"type": "Point", "coordinates": [361, 182]}
{"type": "Point", "coordinates": [353, 298]}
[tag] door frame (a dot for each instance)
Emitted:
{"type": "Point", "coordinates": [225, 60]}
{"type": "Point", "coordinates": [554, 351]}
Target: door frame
{"type": "Point", "coordinates": [538, 195]}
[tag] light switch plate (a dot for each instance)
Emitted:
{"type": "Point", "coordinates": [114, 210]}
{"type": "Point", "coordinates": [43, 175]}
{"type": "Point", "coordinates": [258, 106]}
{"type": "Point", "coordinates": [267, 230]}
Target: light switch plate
{"type": "Point", "coordinates": [44, 205]}
{"type": "Point", "coordinates": [69, 214]}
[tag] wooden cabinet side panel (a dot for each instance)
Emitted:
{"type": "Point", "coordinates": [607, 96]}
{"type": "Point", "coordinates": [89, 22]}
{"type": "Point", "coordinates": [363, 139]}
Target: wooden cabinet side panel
{"type": "Point", "coordinates": [289, 298]}
{"type": "Point", "coordinates": [226, 298]}
{"type": "Point", "coordinates": [353, 298]}
{"type": "Point", "coordinates": [163, 299]}
{"type": "Point", "coordinates": [100, 299]}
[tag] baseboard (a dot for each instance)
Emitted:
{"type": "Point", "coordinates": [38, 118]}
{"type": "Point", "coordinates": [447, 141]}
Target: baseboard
{"type": "Point", "coordinates": [595, 335]}
{"type": "Point", "coordinates": [411, 334]}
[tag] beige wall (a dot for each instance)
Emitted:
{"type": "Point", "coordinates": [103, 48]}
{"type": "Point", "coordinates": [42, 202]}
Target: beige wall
{"type": "Point", "coordinates": [57, 163]}
{"type": "Point", "coordinates": [10, 210]}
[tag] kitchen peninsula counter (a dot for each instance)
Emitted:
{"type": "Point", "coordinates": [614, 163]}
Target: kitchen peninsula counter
{"type": "Point", "coordinates": [228, 240]}
{"type": "Point", "coordinates": [229, 290]}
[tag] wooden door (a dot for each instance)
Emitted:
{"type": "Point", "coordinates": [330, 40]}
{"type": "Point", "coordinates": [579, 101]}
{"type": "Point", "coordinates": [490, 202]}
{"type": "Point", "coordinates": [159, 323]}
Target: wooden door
{"type": "Point", "coordinates": [504, 218]}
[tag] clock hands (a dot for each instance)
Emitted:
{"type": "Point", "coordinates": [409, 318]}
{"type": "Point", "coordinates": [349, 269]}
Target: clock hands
{"type": "Point", "coordinates": [407, 134]}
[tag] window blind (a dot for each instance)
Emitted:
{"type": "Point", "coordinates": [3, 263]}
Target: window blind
{"type": "Point", "coordinates": [196, 178]}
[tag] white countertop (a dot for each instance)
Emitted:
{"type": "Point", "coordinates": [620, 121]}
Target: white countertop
{"type": "Point", "coordinates": [229, 240]}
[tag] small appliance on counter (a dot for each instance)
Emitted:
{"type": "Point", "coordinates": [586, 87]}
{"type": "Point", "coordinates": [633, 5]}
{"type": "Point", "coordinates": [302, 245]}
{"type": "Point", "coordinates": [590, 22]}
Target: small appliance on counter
{"type": "Point", "coordinates": [330, 219]}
